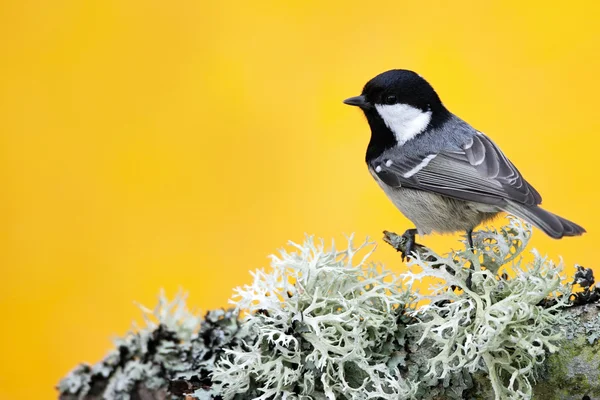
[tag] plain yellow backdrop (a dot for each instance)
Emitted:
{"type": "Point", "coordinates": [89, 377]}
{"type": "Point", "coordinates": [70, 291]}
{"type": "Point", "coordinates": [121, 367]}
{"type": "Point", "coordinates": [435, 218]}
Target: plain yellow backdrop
{"type": "Point", "coordinates": [150, 144]}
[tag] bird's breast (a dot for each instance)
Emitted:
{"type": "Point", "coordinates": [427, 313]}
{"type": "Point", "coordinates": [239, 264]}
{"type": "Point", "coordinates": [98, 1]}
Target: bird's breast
{"type": "Point", "coordinates": [432, 212]}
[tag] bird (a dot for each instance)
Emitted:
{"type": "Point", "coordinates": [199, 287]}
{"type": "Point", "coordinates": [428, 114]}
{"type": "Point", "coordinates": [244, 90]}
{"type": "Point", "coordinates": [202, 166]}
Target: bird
{"type": "Point", "coordinates": [444, 175]}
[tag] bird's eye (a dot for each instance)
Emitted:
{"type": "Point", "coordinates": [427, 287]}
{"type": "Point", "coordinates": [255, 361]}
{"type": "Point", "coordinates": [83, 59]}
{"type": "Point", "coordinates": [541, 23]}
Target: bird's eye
{"type": "Point", "coordinates": [390, 99]}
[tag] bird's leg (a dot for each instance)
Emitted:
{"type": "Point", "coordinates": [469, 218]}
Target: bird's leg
{"type": "Point", "coordinates": [472, 248]}
{"type": "Point", "coordinates": [409, 236]}
{"type": "Point", "coordinates": [470, 239]}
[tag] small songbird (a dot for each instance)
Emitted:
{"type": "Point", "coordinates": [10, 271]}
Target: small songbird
{"type": "Point", "coordinates": [441, 173]}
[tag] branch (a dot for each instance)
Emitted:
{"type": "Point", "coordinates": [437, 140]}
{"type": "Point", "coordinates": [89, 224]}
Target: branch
{"type": "Point", "coordinates": [326, 323]}
{"type": "Point", "coordinates": [574, 371]}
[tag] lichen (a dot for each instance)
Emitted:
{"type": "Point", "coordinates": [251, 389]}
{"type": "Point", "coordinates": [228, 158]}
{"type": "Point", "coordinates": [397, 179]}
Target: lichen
{"type": "Point", "coordinates": [151, 354]}
{"type": "Point", "coordinates": [492, 323]}
{"type": "Point", "coordinates": [326, 323]}
{"type": "Point", "coordinates": [589, 327]}
{"type": "Point", "coordinates": [567, 375]}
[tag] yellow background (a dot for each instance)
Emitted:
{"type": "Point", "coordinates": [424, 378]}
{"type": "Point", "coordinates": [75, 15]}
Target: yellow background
{"type": "Point", "coordinates": [148, 144]}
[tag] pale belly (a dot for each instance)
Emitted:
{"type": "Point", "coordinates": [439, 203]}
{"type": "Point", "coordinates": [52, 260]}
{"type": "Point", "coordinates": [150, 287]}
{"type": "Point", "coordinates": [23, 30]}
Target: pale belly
{"type": "Point", "coordinates": [431, 212]}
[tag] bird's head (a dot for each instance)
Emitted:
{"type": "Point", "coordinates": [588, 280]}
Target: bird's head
{"type": "Point", "coordinates": [402, 100]}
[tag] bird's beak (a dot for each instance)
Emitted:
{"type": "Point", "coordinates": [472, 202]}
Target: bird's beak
{"type": "Point", "coordinates": [358, 101]}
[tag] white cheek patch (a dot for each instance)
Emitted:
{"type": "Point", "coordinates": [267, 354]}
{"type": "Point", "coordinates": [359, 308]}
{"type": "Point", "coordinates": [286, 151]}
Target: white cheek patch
{"type": "Point", "coordinates": [405, 121]}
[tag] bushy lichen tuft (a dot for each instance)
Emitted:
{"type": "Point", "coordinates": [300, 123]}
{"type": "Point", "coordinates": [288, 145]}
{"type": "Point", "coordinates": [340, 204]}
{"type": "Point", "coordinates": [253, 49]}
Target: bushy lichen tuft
{"type": "Point", "coordinates": [324, 324]}
{"type": "Point", "coordinates": [150, 355]}
{"type": "Point", "coordinates": [481, 321]}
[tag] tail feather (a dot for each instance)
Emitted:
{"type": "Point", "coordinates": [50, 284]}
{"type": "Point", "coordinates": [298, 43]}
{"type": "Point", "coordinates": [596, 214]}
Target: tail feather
{"type": "Point", "coordinates": [553, 225]}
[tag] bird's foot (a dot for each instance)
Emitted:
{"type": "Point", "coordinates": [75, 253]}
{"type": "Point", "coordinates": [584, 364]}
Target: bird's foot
{"type": "Point", "coordinates": [402, 242]}
{"type": "Point", "coordinates": [409, 240]}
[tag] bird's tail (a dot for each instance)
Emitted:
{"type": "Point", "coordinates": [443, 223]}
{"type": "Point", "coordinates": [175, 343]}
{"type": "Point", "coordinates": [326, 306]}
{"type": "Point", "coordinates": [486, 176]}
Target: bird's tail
{"type": "Point", "coordinates": [553, 225]}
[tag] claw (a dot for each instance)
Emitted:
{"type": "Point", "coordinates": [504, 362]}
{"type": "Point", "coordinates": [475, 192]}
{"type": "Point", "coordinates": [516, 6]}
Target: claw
{"type": "Point", "coordinates": [409, 237]}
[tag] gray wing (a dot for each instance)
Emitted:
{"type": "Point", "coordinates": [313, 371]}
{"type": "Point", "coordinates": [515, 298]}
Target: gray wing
{"type": "Point", "coordinates": [478, 172]}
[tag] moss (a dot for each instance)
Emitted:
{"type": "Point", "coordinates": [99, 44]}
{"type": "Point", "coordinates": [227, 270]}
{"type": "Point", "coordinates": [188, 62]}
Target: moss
{"type": "Point", "coordinates": [481, 389]}
{"type": "Point", "coordinates": [574, 372]}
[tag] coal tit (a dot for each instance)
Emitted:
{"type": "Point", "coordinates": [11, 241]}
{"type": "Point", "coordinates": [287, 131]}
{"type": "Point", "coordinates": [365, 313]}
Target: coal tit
{"type": "Point", "coordinates": [441, 173]}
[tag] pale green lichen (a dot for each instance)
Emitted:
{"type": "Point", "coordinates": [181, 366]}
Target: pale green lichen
{"type": "Point", "coordinates": [590, 328]}
{"type": "Point", "coordinates": [325, 323]}
{"type": "Point", "coordinates": [495, 324]}
{"type": "Point", "coordinates": [143, 355]}
{"type": "Point", "coordinates": [316, 313]}
{"type": "Point", "coordinates": [574, 372]}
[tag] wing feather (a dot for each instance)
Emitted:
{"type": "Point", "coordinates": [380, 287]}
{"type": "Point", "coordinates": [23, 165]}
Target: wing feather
{"type": "Point", "coordinates": [478, 172]}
